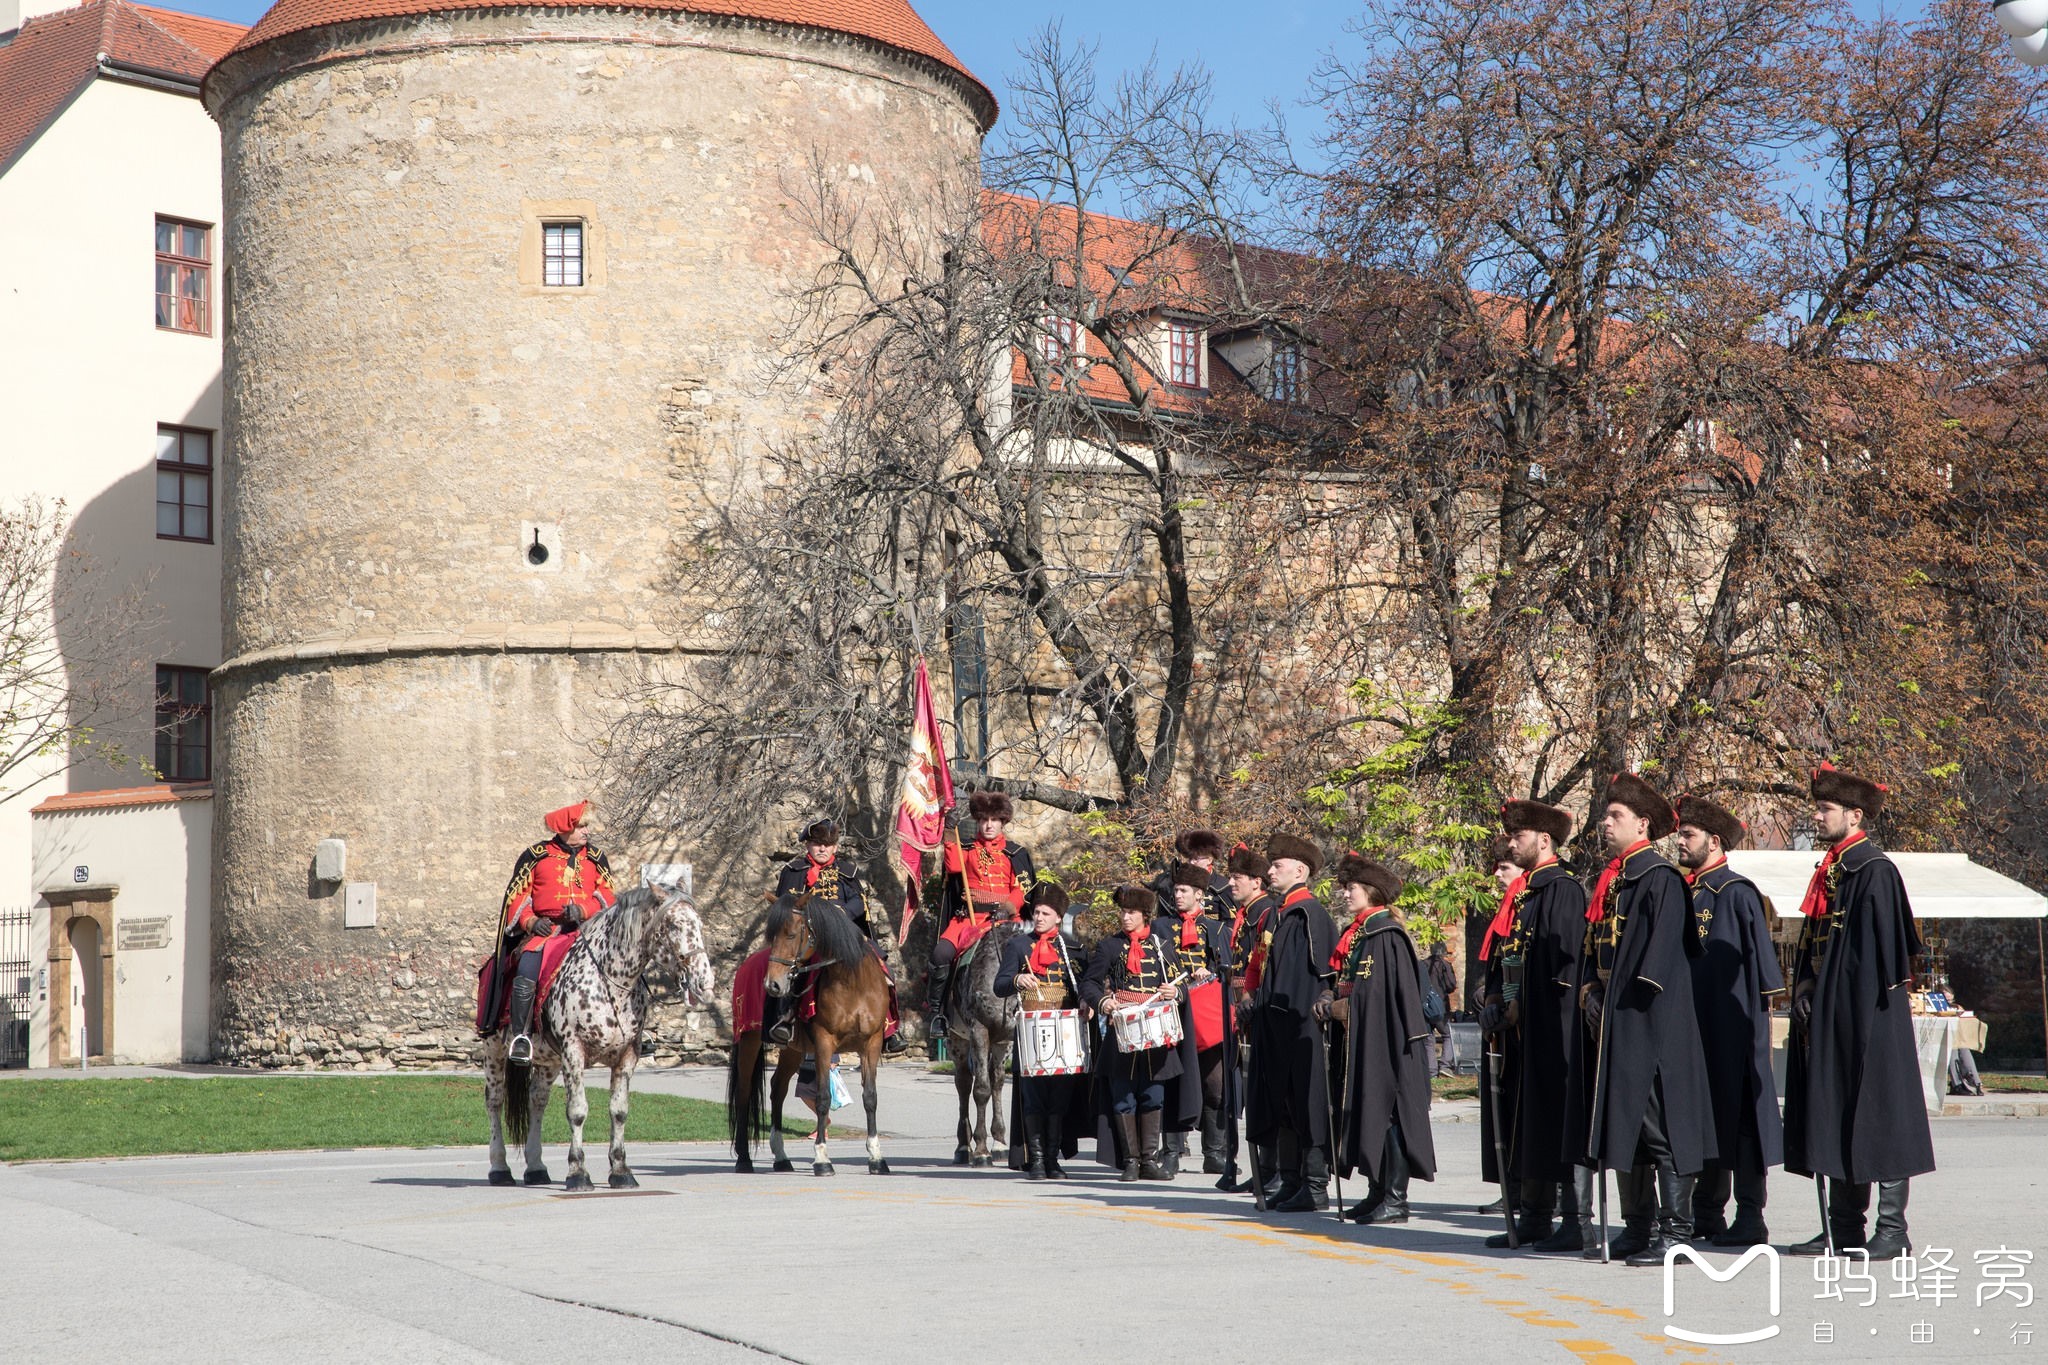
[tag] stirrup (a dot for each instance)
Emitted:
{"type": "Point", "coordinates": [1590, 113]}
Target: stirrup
{"type": "Point", "coordinates": [520, 1049]}
{"type": "Point", "coordinates": [895, 1045]}
{"type": "Point", "coordinates": [783, 1030]}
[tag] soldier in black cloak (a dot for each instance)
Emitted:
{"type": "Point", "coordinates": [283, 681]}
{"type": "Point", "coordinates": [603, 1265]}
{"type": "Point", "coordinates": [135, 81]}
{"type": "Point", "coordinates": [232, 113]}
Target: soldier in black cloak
{"type": "Point", "coordinates": [1201, 948]}
{"type": "Point", "coordinates": [1853, 1110]}
{"type": "Point", "coordinates": [1250, 938]}
{"type": "Point", "coordinates": [1045, 966]}
{"type": "Point", "coordinates": [1287, 1100]}
{"type": "Point", "coordinates": [1649, 1102]}
{"type": "Point", "coordinates": [1733, 980]}
{"type": "Point", "coordinates": [1383, 1119]}
{"type": "Point", "coordinates": [1143, 1094]}
{"type": "Point", "coordinates": [1530, 1012]}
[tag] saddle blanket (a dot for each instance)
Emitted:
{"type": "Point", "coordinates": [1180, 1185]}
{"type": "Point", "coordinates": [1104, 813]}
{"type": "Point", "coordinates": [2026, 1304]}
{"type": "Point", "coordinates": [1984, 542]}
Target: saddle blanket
{"type": "Point", "coordinates": [552, 952]}
{"type": "Point", "coordinates": [750, 992]}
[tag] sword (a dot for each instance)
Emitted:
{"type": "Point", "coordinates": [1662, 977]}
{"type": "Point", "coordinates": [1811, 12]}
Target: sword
{"type": "Point", "coordinates": [1500, 1149]}
{"type": "Point", "coordinates": [1603, 1214]}
{"type": "Point", "coordinates": [1330, 1112]}
{"type": "Point", "coordinates": [1827, 1229]}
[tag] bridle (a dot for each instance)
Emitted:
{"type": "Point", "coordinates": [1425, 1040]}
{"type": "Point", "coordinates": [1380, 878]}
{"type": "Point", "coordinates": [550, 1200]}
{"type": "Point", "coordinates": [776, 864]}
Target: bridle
{"type": "Point", "coordinates": [803, 950]}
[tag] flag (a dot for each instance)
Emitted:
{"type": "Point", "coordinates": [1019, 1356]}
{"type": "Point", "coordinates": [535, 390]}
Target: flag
{"type": "Point", "coordinates": [927, 792]}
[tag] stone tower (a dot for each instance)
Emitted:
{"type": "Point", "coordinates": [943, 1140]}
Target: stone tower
{"type": "Point", "coordinates": [503, 293]}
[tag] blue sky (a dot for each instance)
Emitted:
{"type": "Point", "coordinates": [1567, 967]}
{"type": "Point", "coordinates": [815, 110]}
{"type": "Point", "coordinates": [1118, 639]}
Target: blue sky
{"type": "Point", "coordinates": [1259, 50]}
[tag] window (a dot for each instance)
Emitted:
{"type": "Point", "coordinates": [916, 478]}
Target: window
{"type": "Point", "coordinates": [184, 484]}
{"type": "Point", "coordinates": [1184, 354]}
{"type": "Point", "coordinates": [183, 251]}
{"type": "Point", "coordinates": [561, 255]}
{"type": "Point", "coordinates": [1059, 340]}
{"type": "Point", "coordinates": [184, 725]}
{"type": "Point", "coordinates": [1286, 373]}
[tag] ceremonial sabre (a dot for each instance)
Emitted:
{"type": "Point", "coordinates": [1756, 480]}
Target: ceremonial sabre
{"type": "Point", "coordinates": [1500, 1149]}
{"type": "Point", "coordinates": [1330, 1112]}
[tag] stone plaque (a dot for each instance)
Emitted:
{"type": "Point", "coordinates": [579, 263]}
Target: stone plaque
{"type": "Point", "coordinates": [131, 935]}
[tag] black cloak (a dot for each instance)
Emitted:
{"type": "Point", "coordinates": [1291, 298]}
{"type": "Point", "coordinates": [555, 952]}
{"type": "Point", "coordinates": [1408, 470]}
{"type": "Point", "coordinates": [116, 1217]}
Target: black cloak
{"type": "Point", "coordinates": [1069, 1094]}
{"type": "Point", "coordinates": [1649, 1033]}
{"type": "Point", "coordinates": [1289, 1085]}
{"type": "Point", "coordinates": [1732, 979]}
{"type": "Point", "coordinates": [1386, 1041]}
{"type": "Point", "coordinates": [1853, 1106]}
{"type": "Point", "coordinates": [1536, 1057]}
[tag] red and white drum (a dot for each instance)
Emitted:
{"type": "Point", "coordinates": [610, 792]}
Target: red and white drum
{"type": "Point", "coordinates": [1146, 1025]}
{"type": "Point", "coordinates": [1049, 1043]}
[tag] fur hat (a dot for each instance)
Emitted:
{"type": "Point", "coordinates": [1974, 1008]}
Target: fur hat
{"type": "Point", "coordinates": [1846, 789]}
{"type": "Point", "coordinates": [1199, 843]}
{"type": "Point", "coordinates": [1245, 863]}
{"type": "Point", "coordinates": [1716, 820]}
{"type": "Point", "coordinates": [1049, 894]}
{"type": "Point", "coordinates": [1131, 896]}
{"type": "Point", "coordinates": [1556, 821]}
{"type": "Point", "coordinates": [1282, 845]}
{"type": "Point", "coordinates": [1355, 869]}
{"type": "Point", "coordinates": [821, 831]}
{"type": "Point", "coordinates": [1626, 789]}
{"type": "Point", "coordinates": [1187, 874]}
{"type": "Point", "coordinates": [990, 806]}
{"type": "Point", "coordinates": [1497, 852]}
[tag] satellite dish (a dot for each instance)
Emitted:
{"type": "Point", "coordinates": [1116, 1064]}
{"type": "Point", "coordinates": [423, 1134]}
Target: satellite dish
{"type": "Point", "coordinates": [2020, 17]}
{"type": "Point", "coordinates": [2030, 48]}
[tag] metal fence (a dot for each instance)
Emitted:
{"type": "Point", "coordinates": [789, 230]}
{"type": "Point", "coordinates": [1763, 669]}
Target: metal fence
{"type": "Point", "coordinates": [17, 985]}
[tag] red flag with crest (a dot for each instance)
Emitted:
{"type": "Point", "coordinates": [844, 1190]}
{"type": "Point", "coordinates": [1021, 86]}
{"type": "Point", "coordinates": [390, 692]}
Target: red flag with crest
{"type": "Point", "coordinates": [927, 792]}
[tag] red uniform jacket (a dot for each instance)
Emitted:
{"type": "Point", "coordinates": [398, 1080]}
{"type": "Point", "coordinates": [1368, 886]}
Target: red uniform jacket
{"type": "Point", "coordinates": [549, 878]}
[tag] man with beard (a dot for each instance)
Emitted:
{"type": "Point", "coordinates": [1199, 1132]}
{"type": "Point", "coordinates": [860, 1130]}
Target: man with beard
{"type": "Point", "coordinates": [1383, 1121]}
{"type": "Point", "coordinates": [1287, 1103]}
{"type": "Point", "coordinates": [1528, 1011]}
{"type": "Point", "coordinates": [1646, 1074]}
{"type": "Point", "coordinates": [1732, 983]}
{"type": "Point", "coordinates": [1853, 1111]}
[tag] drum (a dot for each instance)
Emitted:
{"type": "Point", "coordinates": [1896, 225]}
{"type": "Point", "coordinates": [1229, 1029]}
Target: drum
{"type": "Point", "coordinates": [1142, 1027]}
{"type": "Point", "coordinates": [1206, 1004]}
{"type": "Point", "coordinates": [1049, 1043]}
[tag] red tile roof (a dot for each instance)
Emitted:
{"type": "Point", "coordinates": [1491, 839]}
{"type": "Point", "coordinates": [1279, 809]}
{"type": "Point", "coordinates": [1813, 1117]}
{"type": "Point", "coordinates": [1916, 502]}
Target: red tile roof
{"type": "Point", "coordinates": [115, 798]}
{"type": "Point", "coordinates": [892, 23]}
{"type": "Point", "coordinates": [54, 56]}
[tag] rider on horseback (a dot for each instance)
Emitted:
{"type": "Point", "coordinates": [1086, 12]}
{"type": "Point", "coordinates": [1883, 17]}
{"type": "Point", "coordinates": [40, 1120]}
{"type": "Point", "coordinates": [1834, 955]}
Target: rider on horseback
{"type": "Point", "coordinates": [987, 878]}
{"type": "Point", "coordinates": [557, 885]}
{"type": "Point", "coordinates": [826, 876]}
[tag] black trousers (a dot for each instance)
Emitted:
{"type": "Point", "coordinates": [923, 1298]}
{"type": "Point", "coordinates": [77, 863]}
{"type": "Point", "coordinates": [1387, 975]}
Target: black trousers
{"type": "Point", "coordinates": [1136, 1095]}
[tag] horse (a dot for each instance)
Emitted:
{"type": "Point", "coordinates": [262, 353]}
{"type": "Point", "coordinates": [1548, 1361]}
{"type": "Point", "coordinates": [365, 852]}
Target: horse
{"type": "Point", "coordinates": [852, 1012]}
{"type": "Point", "coordinates": [593, 1017]}
{"type": "Point", "coordinates": [980, 1033]}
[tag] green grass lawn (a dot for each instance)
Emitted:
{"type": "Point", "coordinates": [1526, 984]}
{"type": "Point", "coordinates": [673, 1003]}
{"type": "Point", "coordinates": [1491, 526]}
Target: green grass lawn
{"type": "Point", "coordinates": [2005, 1083]}
{"type": "Point", "coordinates": [1455, 1087]}
{"type": "Point", "coordinates": [45, 1120]}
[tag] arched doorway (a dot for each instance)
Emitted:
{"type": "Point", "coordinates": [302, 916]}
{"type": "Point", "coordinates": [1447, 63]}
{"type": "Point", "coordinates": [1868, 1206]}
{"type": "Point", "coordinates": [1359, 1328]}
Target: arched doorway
{"type": "Point", "coordinates": [88, 999]}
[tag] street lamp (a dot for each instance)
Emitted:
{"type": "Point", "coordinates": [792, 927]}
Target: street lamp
{"type": "Point", "coordinates": [2026, 28]}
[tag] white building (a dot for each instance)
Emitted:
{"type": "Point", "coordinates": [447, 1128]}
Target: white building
{"type": "Point", "coordinates": [111, 315]}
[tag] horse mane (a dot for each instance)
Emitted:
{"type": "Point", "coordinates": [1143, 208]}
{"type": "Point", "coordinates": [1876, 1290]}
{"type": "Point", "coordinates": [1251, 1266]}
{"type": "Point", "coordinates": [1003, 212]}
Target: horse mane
{"type": "Point", "coordinates": [619, 927]}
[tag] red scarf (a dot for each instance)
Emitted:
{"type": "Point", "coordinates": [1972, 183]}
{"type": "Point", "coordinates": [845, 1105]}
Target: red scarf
{"type": "Point", "coordinates": [1045, 952]}
{"type": "Point", "coordinates": [1134, 960]}
{"type": "Point", "coordinates": [1692, 877]}
{"type": "Point", "coordinates": [1816, 903]}
{"type": "Point", "coordinates": [1189, 934]}
{"type": "Point", "coordinates": [1504, 918]}
{"type": "Point", "coordinates": [812, 867]}
{"type": "Point", "coordinates": [1597, 909]}
{"type": "Point", "coordinates": [1343, 949]}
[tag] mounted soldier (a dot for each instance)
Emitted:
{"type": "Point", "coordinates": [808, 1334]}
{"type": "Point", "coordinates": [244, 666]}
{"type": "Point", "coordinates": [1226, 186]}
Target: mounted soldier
{"type": "Point", "coordinates": [825, 876]}
{"type": "Point", "coordinates": [556, 886]}
{"type": "Point", "coordinates": [985, 881]}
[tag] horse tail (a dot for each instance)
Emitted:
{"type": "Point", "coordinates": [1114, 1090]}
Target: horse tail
{"type": "Point", "coordinates": [517, 1106]}
{"type": "Point", "coordinates": [746, 1123]}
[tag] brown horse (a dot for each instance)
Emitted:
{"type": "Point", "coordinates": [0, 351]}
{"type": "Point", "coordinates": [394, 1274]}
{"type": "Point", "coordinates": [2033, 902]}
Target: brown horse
{"type": "Point", "coordinates": [809, 937]}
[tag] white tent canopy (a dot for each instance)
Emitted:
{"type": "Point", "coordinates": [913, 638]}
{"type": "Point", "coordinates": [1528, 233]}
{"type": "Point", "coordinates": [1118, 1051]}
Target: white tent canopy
{"type": "Point", "coordinates": [1940, 885]}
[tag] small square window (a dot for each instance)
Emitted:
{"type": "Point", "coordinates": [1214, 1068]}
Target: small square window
{"type": "Point", "coordinates": [1059, 340]}
{"type": "Point", "coordinates": [183, 276]}
{"type": "Point", "coordinates": [561, 255]}
{"type": "Point", "coordinates": [1184, 354]}
{"type": "Point", "coordinates": [184, 724]}
{"type": "Point", "coordinates": [184, 484]}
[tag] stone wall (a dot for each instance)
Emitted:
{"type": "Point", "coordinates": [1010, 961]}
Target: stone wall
{"type": "Point", "coordinates": [408, 408]}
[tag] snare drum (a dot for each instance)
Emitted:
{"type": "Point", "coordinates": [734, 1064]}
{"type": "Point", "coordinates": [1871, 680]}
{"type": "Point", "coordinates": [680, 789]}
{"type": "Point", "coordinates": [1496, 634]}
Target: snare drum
{"type": "Point", "coordinates": [1142, 1027]}
{"type": "Point", "coordinates": [1049, 1043]}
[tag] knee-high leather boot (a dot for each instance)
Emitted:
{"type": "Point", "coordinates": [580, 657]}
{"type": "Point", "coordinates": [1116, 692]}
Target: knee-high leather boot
{"type": "Point", "coordinates": [1889, 1241]}
{"type": "Point", "coordinates": [1394, 1168]}
{"type": "Point", "coordinates": [1127, 1134]}
{"type": "Point", "coordinates": [520, 1049]}
{"type": "Point", "coordinates": [1151, 1165]}
{"type": "Point", "coordinates": [1034, 1146]}
{"type": "Point", "coordinates": [1054, 1135]}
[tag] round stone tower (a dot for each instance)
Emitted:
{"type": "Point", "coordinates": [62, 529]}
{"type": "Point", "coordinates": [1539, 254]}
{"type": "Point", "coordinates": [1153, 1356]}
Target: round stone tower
{"type": "Point", "coordinates": [503, 291]}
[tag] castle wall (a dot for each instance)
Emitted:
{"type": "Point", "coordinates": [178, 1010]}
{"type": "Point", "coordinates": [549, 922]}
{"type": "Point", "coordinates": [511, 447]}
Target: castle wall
{"type": "Point", "coordinates": [409, 408]}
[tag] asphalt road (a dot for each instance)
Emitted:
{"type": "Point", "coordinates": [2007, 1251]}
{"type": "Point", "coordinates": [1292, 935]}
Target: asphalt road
{"type": "Point", "coordinates": [386, 1255]}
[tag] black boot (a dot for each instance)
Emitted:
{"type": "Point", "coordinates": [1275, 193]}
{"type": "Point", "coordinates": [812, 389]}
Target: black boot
{"type": "Point", "coordinates": [1635, 1192]}
{"type": "Point", "coordinates": [1213, 1151]}
{"type": "Point", "coordinates": [1266, 1170]}
{"type": "Point", "coordinates": [1034, 1147]}
{"type": "Point", "coordinates": [1287, 1166]}
{"type": "Point", "coordinates": [1847, 1204]}
{"type": "Point", "coordinates": [1748, 1229]}
{"type": "Point", "coordinates": [1127, 1133]}
{"type": "Point", "coordinates": [1674, 1218]}
{"type": "Point", "coordinates": [1364, 1209]}
{"type": "Point", "coordinates": [1053, 1137]}
{"type": "Point", "coordinates": [778, 1020]}
{"type": "Point", "coordinates": [895, 1045]}
{"type": "Point", "coordinates": [937, 978]}
{"type": "Point", "coordinates": [1171, 1151]}
{"type": "Point", "coordinates": [1532, 1216]}
{"type": "Point", "coordinates": [1710, 1203]}
{"type": "Point", "coordinates": [520, 1050]}
{"type": "Point", "coordinates": [1150, 1163]}
{"type": "Point", "coordinates": [1889, 1241]}
{"type": "Point", "coordinates": [1314, 1194]}
{"type": "Point", "coordinates": [1394, 1166]}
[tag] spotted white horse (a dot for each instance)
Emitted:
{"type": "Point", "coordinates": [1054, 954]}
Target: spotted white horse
{"type": "Point", "coordinates": [593, 1017]}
